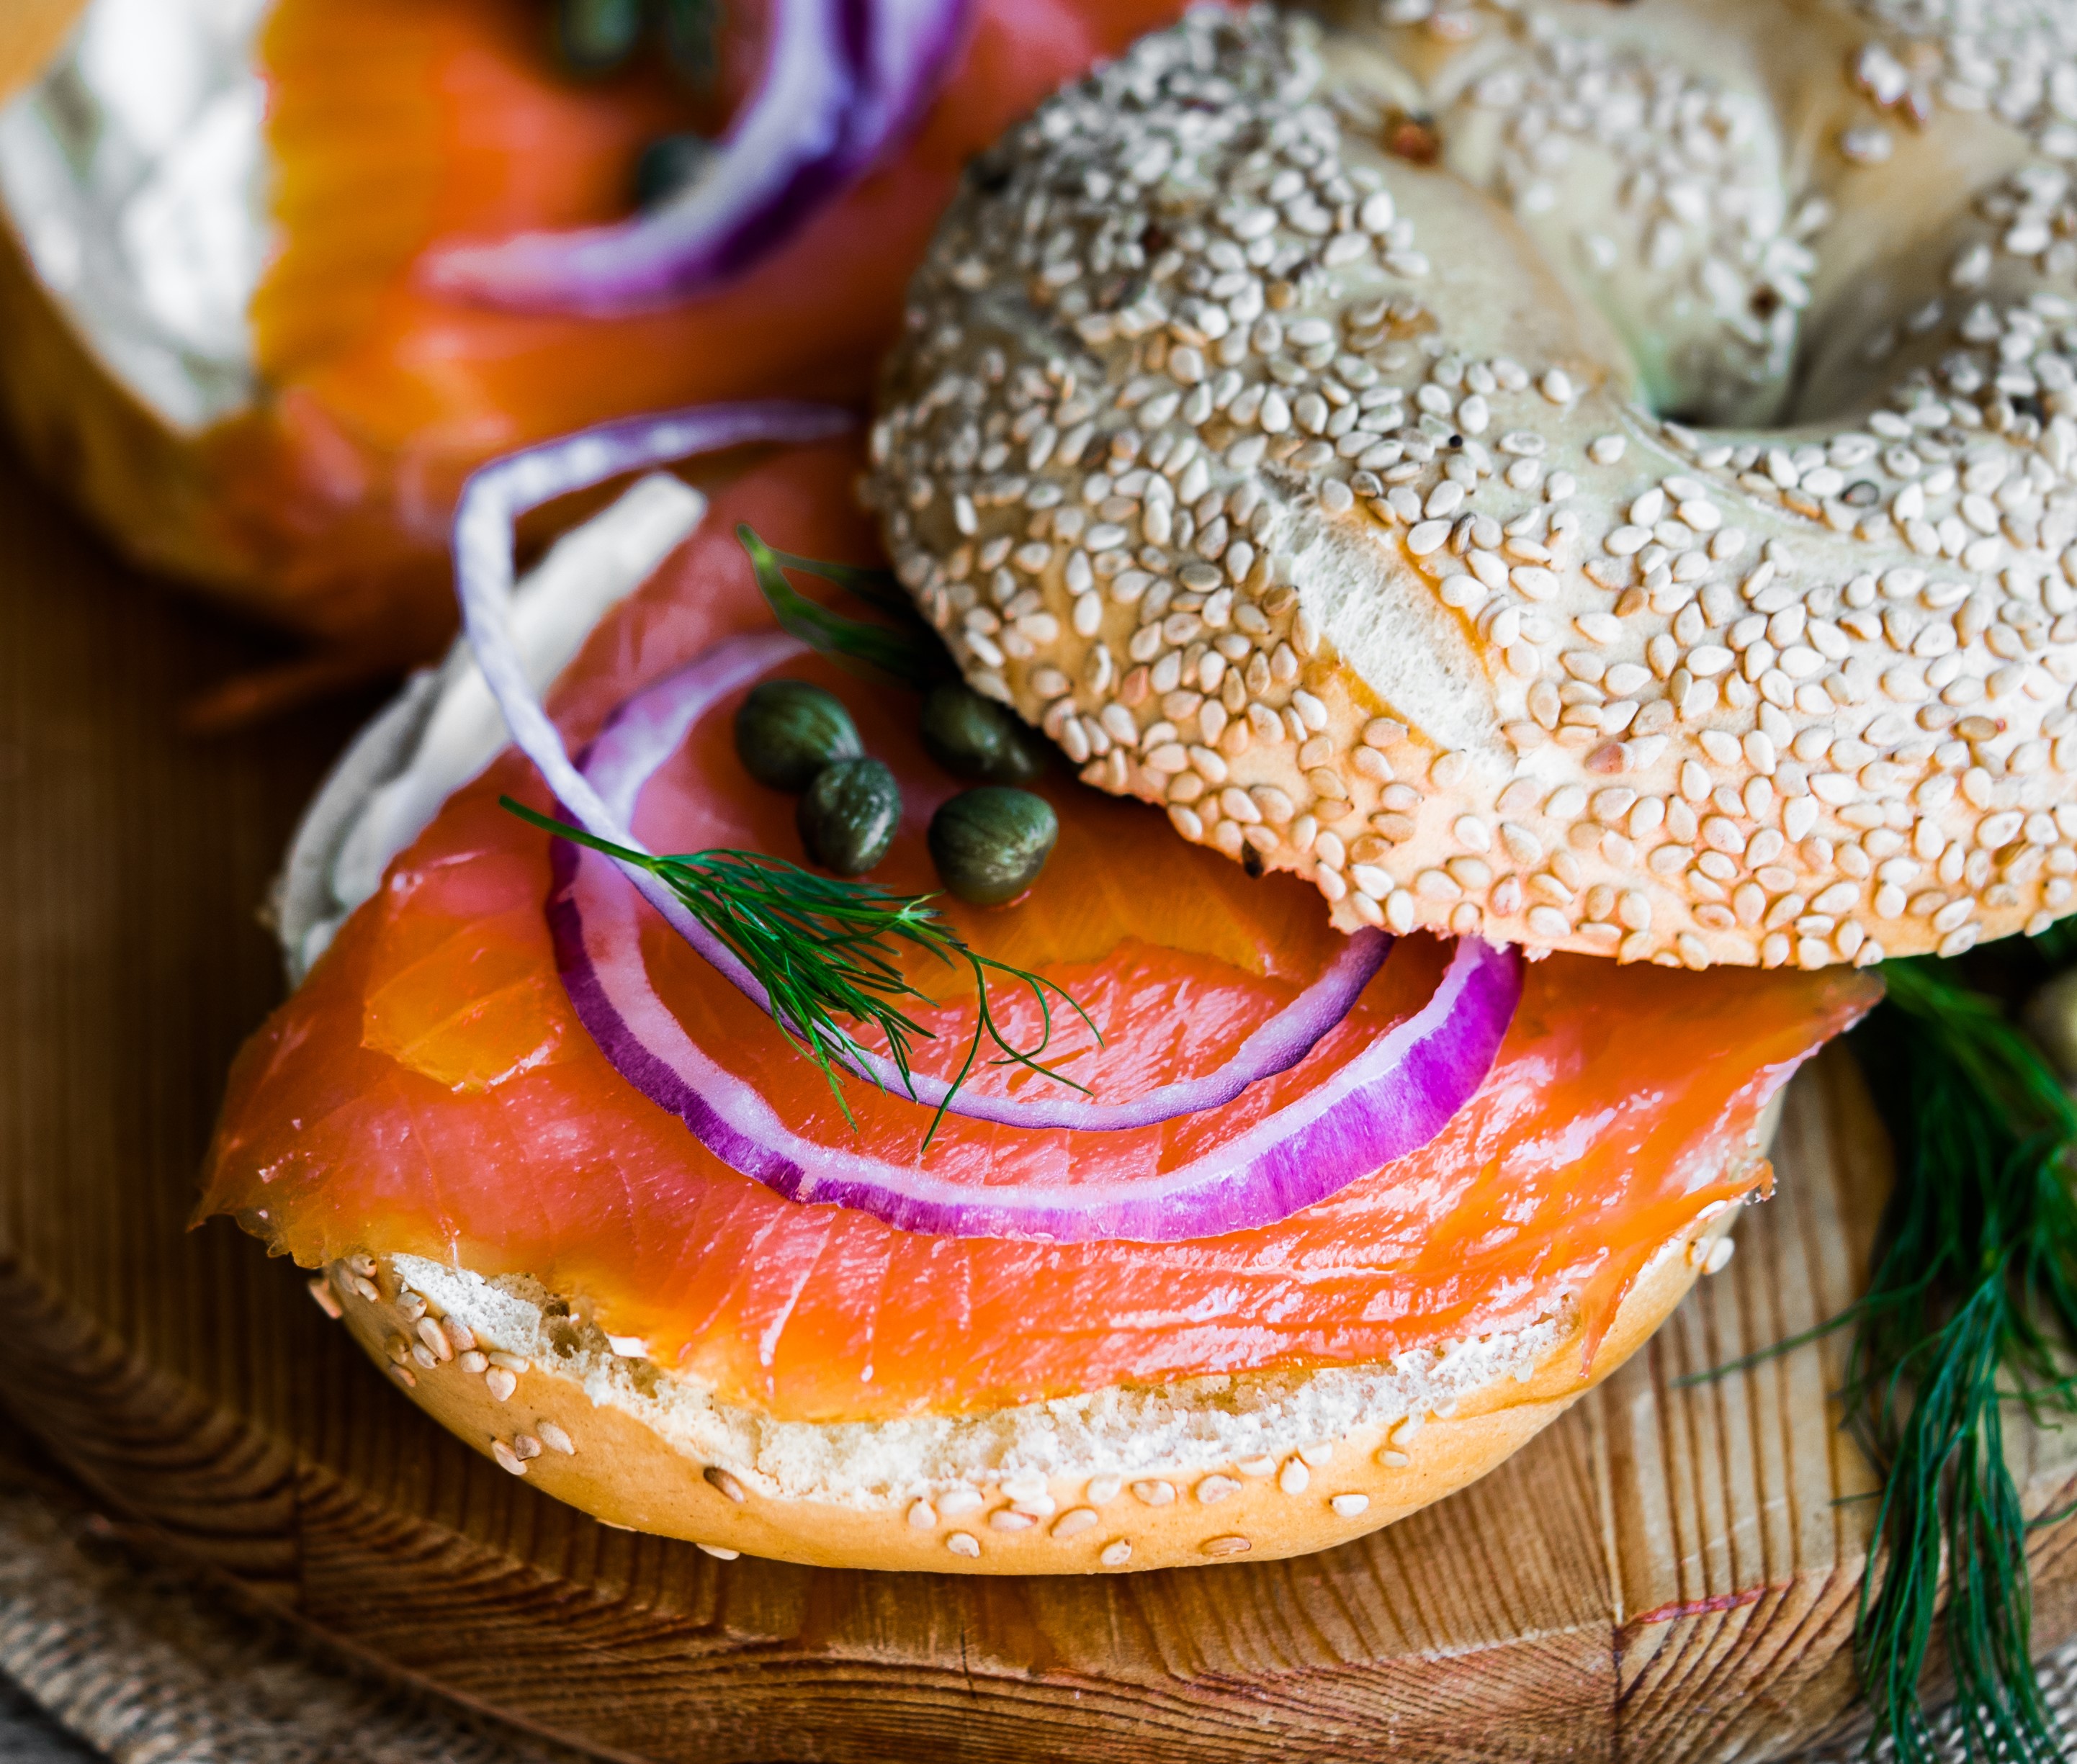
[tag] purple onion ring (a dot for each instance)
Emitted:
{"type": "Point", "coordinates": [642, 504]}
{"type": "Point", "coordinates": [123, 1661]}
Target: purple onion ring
{"type": "Point", "coordinates": [844, 82]}
{"type": "Point", "coordinates": [652, 726]}
{"type": "Point", "coordinates": [1390, 1099]}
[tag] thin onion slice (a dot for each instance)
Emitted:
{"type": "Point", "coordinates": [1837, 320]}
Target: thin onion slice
{"type": "Point", "coordinates": [652, 726]}
{"type": "Point", "coordinates": [498, 494]}
{"type": "Point", "coordinates": [1390, 1099]}
{"type": "Point", "coordinates": [844, 80]}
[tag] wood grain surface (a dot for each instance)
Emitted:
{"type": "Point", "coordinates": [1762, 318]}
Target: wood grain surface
{"type": "Point", "coordinates": [1667, 1574]}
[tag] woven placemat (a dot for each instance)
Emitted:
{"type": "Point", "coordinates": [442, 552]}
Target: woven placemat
{"type": "Point", "coordinates": [130, 1656]}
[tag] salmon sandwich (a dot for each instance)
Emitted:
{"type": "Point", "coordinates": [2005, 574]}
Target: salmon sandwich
{"type": "Point", "coordinates": [1161, 958]}
{"type": "Point", "coordinates": [1271, 1235]}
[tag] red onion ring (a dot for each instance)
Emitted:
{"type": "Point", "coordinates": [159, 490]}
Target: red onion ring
{"type": "Point", "coordinates": [653, 725]}
{"type": "Point", "coordinates": [844, 80]}
{"type": "Point", "coordinates": [496, 495]}
{"type": "Point", "coordinates": [1389, 1100]}
{"type": "Point", "coordinates": [500, 492]}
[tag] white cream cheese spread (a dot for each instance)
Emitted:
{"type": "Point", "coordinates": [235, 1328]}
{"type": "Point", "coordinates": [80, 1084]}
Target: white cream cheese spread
{"type": "Point", "coordinates": [135, 174]}
{"type": "Point", "coordinates": [445, 727]}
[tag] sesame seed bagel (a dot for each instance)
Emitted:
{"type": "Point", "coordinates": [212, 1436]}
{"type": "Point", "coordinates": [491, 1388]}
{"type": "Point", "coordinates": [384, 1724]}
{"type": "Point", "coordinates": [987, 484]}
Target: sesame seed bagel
{"type": "Point", "coordinates": [1224, 1468]}
{"type": "Point", "coordinates": [1596, 477]}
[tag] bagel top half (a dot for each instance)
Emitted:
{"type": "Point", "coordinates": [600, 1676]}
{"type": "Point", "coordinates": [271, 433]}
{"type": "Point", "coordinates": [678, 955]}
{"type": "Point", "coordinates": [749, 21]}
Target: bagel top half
{"type": "Point", "coordinates": [1598, 477]}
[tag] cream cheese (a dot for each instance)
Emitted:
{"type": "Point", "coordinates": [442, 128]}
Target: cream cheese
{"type": "Point", "coordinates": [445, 727]}
{"type": "Point", "coordinates": [135, 175]}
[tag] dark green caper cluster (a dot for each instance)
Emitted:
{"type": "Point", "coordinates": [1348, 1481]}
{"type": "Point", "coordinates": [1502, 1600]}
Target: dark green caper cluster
{"type": "Point", "coordinates": [591, 39]}
{"type": "Point", "coordinates": [796, 737]}
{"type": "Point", "coordinates": [989, 843]}
{"type": "Point", "coordinates": [594, 38]}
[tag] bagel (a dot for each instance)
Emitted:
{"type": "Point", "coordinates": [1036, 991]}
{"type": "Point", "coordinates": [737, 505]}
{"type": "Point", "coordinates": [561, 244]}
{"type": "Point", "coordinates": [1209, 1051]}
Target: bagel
{"type": "Point", "coordinates": [555, 1269]}
{"type": "Point", "coordinates": [1216, 1468]}
{"type": "Point", "coordinates": [214, 218]}
{"type": "Point", "coordinates": [1597, 478]}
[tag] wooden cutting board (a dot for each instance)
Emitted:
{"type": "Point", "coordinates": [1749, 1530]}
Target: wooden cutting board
{"type": "Point", "coordinates": [1668, 1573]}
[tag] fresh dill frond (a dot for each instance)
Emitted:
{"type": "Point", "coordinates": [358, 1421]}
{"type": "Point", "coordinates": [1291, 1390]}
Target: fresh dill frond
{"type": "Point", "coordinates": [826, 950]}
{"type": "Point", "coordinates": [905, 652]}
{"type": "Point", "coordinates": [1972, 1305]}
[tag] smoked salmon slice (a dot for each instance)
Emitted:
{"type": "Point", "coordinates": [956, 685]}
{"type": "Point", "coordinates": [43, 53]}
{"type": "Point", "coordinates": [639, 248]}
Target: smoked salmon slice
{"type": "Point", "coordinates": [429, 1091]}
{"type": "Point", "coordinates": [393, 126]}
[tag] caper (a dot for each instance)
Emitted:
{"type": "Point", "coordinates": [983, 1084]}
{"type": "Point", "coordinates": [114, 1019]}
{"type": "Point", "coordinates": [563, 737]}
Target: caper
{"type": "Point", "coordinates": [973, 737]}
{"type": "Point", "coordinates": [688, 36]}
{"type": "Point", "coordinates": [788, 730]}
{"type": "Point", "coordinates": [594, 37]}
{"type": "Point", "coordinates": [667, 164]}
{"type": "Point", "coordinates": [848, 815]}
{"type": "Point", "coordinates": [990, 844]}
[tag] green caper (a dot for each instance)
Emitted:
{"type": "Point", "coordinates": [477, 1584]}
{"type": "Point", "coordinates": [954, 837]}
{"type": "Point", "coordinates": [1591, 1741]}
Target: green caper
{"type": "Point", "coordinates": [788, 730]}
{"type": "Point", "coordinates": [667, 164]}
{"type": "Point", "coordinates": [990, 844]}
{"type": "Point", "coordinates": [848, 815]}
{"type": "Point", "coordinates": [689, 26]}
{"type": "Point", "coordinates": [594, 37]}
{"type": "Point", "coordinates": [973, 737]}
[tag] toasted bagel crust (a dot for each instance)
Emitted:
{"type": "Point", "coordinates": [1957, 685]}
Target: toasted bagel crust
{"type": "Point", "coordinates": [1311, 1496]}
{"type": "Point", "coordinates": [1274, 427]}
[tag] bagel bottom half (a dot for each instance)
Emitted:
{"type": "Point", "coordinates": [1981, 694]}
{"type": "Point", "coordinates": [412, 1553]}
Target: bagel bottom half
{"type": "Point", "coordinates": [1234, 1469]}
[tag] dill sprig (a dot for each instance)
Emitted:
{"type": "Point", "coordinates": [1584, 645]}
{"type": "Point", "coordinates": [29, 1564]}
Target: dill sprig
{"type": "Point", "coordinates": [825, 950]}
{"type": "Point", "coordinates": [905, 652]}
{"type": "Point", "coordinates": [1972, 1305]}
